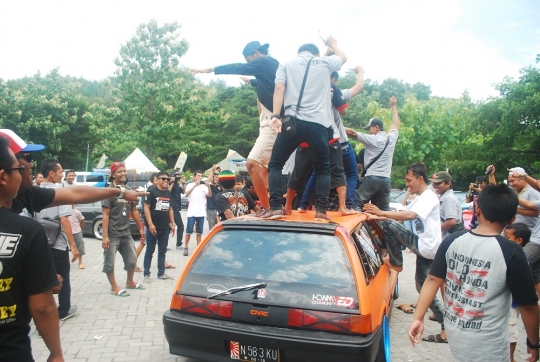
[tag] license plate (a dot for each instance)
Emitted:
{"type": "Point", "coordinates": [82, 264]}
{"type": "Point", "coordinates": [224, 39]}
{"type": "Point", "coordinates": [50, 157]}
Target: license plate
{"type": "Point", "coordinates": [244, 352]}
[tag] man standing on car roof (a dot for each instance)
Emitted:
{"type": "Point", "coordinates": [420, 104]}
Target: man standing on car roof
{"type": "Point", "coordinates": [313, 117]}
{"type": "Point", "coordinates": [117, 233]}
{"type": "Point", "coordinates": [263, 67]}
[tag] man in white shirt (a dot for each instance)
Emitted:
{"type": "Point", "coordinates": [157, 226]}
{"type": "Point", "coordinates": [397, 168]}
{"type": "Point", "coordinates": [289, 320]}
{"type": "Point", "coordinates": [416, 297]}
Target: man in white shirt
{"type": "Point", "coordinates": [196, 192]}
{"type": "Point", "coordinates": [424, 239]}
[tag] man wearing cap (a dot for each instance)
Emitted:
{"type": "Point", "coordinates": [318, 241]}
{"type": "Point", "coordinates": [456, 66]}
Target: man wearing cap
{"type": "Point", "coordinates": [263, 67]}
{"type": "Point", "coordinates": [378, 160]}
{"type": "Point", "coordinates": [117, 233]}
{"type": "Point", "coordinates": [450, 207]}
{"type": "Point", "coordinates": [527, 216]}
{"type": "Point", "coordinates": [27, 272]}
{"type": "Point", "coordinates": [314, 120]}
{"type": "Point", "coordinates": [35, 199]}
{"type": "Point", "coordinates": [231, 203]}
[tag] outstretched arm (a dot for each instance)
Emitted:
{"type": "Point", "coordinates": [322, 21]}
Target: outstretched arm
{"type": "Point", "coordinates": [359, 85]}
{"type": "Point", "coordinates": [395, 116]}
{"type": "Point", "coordinates": [88, 194]}
{"type": "Point", "coordinates": [332, 43]}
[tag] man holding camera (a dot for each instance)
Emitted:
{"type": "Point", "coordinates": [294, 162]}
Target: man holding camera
{"type": "Point", "coordinates": [176, 187]}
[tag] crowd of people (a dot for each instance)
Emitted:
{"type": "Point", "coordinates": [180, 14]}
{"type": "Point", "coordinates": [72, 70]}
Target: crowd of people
{"type": "Point", "coordinates": [486, 276]}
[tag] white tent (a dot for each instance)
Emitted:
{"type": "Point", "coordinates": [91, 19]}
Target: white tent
{"type": "Point", "coordinates": [139, 163]}
{"type": "Point", "coordinates": [234, 162]}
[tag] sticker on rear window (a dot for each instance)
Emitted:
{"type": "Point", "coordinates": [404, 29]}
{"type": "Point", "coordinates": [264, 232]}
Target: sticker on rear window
{"type": "Point", "coordinates": [324, 299]}
{"type": "Point", "coordinates": [261, 293]}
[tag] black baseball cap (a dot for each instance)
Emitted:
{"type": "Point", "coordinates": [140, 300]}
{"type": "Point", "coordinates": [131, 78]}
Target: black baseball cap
{"type": "Point", "coordinates": [252, 46]}
{"type": "Point", "coordinates": [375, 122]}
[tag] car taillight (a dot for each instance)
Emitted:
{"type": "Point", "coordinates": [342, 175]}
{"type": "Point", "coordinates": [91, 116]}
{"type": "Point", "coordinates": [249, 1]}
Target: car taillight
{"type": "Point", "coordinates": [328, 321]}
{"type": "Point", "coordinates": [197, 305]}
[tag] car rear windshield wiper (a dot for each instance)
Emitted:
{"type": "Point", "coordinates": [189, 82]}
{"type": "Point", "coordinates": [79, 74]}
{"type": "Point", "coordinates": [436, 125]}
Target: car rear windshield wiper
{"type": "Point", "coordinates": [238, 289]}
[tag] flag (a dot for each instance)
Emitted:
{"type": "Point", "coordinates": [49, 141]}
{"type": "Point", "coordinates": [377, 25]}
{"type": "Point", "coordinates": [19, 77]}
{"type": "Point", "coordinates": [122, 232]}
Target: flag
{"type": "Point", "coordinates": [101, 162]}
{"type": "Point", "coordinates": [179, 165]}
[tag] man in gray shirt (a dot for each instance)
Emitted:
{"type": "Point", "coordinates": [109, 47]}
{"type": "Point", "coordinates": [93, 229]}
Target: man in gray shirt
{"type": "Point", "coordinates": [313, 121]}
{"type": "Point", "coordinates": [52, 171]}
{"type": "Point", "coordinates": [376, 183]}
{"type": "Point", "coordinates": [451, 214]}
{"type": "Point", "coordinates": [527, 216]}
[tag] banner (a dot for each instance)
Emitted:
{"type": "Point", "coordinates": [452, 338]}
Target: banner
{"type": "Point", "coordinates": [101, 162]}
{"type": "Point", "coordinates": [179, 165]}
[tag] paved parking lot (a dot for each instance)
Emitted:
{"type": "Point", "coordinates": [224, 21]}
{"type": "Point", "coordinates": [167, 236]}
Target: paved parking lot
{"type": "Point", "coordinates": [131, 328]}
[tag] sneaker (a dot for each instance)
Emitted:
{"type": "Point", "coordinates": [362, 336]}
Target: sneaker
{"type": "Point", "coordinates": [321, 216]}
{"type": "Point", "coordinates": [300, 210]}
{"type": "Point", "coordinates": [179, 246]}
{"type": "Point", "coordinates": [72, 311]}
{"type": "Point", "coordinates": [147, 279]}
{"type": "Point", "coordinates": [164, 277]}
{"type": "Point", "coordinates": [274, 214]}
{"type": "Point", "coordinates": [261, 212]}
{"type": "Point", "coordinates": [185, 252]}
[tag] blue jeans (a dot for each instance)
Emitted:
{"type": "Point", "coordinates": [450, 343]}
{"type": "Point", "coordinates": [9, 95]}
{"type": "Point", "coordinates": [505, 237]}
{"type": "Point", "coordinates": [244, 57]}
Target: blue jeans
{"type": "Point", "coordinates": [376, 189]}
{"type": "Point", "coordinates": [61, 263]}
{"type": "Point", "coordinates": [396, 235]}
{"type": "Point", "coordinates": [351, 171]}
{"type": "Point", "coordinates": [317, 136]}
{"type": "Point", "coordinates": [162, 239]}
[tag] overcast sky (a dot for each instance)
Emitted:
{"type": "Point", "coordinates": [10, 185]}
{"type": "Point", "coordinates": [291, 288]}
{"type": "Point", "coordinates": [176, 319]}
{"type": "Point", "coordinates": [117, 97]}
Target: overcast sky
{"type": "Point", "coordinates": [451, 45]}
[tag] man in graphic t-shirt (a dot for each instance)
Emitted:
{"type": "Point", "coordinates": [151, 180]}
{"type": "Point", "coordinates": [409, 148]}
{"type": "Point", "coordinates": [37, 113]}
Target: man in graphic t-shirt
{"type": "Point", "coordinates": [27, 273]}
{"type": "Point", "coordinates": [232, 203]}
{"type": "Point", "coordinates": [160, 220]}
{"type": "Point", "coordinates": [423, 238]}
{"type": "Point", "coordinates": [483, 273]}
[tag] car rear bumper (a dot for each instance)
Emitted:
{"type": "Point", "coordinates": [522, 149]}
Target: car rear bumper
{"type": "Point", "coordinates": [205, 338]}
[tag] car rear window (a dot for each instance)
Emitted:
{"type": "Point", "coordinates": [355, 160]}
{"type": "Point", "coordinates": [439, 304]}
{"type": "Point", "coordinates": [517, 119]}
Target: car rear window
{"type": "Point", "coordinates": [301, 269]}
{"type": "Point", "coordinates": [95, 178]}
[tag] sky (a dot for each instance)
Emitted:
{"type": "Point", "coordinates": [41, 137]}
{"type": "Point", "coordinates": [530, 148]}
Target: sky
{"type": "Point", "coordinates": [452, 45]}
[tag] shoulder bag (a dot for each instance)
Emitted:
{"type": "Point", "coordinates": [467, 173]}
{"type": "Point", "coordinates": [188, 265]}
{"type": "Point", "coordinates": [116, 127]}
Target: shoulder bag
{"type": "Point", "coordinates": [288, 123]}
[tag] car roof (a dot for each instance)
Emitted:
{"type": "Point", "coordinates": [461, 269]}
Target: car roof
{"type": "Point", "coordinates": [297, 221]}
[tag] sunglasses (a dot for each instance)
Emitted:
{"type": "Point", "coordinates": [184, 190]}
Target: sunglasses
{"type": "Point", "coordinates": [164, 178]}
{"type": "Point", "coordinates": [20, 169]}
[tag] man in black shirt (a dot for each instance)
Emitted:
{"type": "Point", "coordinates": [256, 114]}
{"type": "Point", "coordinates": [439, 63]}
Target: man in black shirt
{"type": "Point", "coordinates": [263, 67]}
{"type": "Point", "coordinates": [160, 221]}
{"type": "Point", "coordinates": [27, 273]}
{"type": "Point", "coordinates": [176, 202]}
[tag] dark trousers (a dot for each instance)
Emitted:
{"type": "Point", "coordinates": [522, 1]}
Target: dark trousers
{"type": "Point", "coordinates": [317, 137]}
{"type": "Point", "coordinates": [61, 263]}
{"type": "Point", "coordinates": [179, 224]}
{"type": "Point", "coordinates": [351, 171]}
{"type": "Point", "coordinates": [161, 239]}
{"type": "Point", "coordinates": [376, 189]}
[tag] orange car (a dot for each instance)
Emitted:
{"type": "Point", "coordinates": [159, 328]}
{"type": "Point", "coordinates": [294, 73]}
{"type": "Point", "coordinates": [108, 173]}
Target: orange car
{"type": "Point", "coordinates": [285, 290]}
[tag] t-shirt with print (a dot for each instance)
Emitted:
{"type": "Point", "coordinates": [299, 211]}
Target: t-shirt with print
{"type": "Point", "coordinates": [227, 200]}
{"type": "Point", "coordinates": [160, 203]}
{"type": "Point", "coordinates": [482, 274]}
{"type": "Point", "coordinates": [119, 211]}
{"type": "Point", "coordinates": [26, 268]}
{"type": "Point", "coordinates": [450, 209]}
{"type": "Point", "coordinates": [33, 198]}
{"type": "Point", "coordinates": [197, 200]}
{"type": "Point", "coordinates": [427, 224]}
{"type": "Point", "coordinates": [529, 194]}
{"type": "Point", "coordinates": [55, 213]}
{"type": "Point", "coordinates": [75, 221]}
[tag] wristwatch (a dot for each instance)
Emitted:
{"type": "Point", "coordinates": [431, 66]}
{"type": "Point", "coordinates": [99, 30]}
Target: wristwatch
{"type": "Point", "coordinates": [278, 116]}
{"type": "Point", "coordinates": [122, 190]}
{"type": "Point", "coordinates": [532, 346]}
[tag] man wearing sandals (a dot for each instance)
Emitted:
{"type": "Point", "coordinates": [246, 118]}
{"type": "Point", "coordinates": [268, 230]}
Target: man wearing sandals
{"type": "Point", "coordinates": [117, 234]}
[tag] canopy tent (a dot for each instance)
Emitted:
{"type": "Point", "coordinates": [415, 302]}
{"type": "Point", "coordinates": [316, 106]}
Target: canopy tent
{"type": "Point", "coordinates": [139, 163]}
{"type": "Point", "coordinates": [234, 162]}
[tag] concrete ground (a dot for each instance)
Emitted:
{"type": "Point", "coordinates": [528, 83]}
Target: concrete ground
{"type": "Point", "coordinates": [131, 328]}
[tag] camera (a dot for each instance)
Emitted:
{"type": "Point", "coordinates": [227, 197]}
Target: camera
{"type": "Point", "coordinates": [475, 186]}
